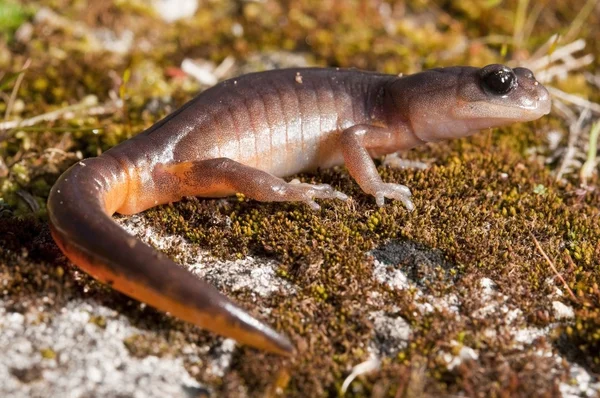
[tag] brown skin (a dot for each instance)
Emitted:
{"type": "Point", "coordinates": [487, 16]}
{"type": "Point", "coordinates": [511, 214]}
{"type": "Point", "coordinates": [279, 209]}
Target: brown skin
{"type": "Point", "coordinates": [246, 133]}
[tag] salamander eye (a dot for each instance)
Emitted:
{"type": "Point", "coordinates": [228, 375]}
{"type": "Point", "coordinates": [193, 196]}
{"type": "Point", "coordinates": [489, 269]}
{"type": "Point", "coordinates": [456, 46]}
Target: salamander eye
{"type": "Point", "coordinates": [498, 79]}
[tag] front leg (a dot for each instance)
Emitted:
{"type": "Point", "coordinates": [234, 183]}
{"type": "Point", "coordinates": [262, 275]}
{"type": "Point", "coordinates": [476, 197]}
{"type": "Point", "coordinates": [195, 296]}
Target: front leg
{"type": "Point", "coordinates": [355, 143]}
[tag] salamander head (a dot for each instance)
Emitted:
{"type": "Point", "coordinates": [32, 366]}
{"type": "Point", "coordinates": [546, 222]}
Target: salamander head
{"type": "Point", "coordinates": [459, 101]}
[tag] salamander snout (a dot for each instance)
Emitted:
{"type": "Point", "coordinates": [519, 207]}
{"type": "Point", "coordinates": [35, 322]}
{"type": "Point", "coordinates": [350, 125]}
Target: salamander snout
{"type": "Point", "coordinates": [514, 88]}
{"type": "Point", "coordinates": [526, 79]}
{"type": "Point", "coordinates": [497, 95]}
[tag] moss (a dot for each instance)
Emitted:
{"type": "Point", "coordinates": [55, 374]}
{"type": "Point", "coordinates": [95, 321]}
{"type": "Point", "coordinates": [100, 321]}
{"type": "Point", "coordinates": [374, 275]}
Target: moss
{"type": "Point", "coordinates": [142, 345]}
{"type": "Point", "coordinates": [48, 353]}
{"type": "Point", "coordinates": [12, 15]}
{"type": "Point", "coordinates": [99, 321]}
{"type": "Point", "coordinates": [484, 186]}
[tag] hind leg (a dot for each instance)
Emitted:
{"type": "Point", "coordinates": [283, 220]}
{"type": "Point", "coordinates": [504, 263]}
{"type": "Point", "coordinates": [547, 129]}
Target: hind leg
{"type": "Point", "coordinates": [223, 177]}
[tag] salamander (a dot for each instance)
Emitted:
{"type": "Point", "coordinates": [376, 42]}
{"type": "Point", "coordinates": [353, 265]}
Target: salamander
{"type": "Point", "coordinates": [243, 136]}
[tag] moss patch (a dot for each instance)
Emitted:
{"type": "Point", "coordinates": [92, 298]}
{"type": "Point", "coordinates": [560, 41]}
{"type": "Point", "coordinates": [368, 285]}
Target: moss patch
{"type": "Point", "coordinates": [479, 206]}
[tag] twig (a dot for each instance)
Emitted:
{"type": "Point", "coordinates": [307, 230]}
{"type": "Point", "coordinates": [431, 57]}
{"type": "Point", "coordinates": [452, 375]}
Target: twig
{"type": "Point", "coordinates": [593, 79]}
{"type": "Point", "coordinates": [88, 103]}
{"type": "Point", "coordinates": [540, 62]}
{"type": "Point", "coordinates": [574, 133]}
{"type": "Point", "coordinates": [561, 71]}
{"type": "Point", "coordinates": [371, 364]}
{"type": "Point", "coordinates": [574, 99]}
{"type": "Point", "coordinates": [564, 111]}
{"type": "Point", "coordinates": [551, 264]}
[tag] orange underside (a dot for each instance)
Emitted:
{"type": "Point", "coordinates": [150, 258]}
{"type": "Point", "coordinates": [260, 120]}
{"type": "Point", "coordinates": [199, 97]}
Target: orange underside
{"type": "Point", "coordinates": [216, 323]}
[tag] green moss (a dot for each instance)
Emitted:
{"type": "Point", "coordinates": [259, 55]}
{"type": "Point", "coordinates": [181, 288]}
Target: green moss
{"type": "Point", "coordinates": [12, 15]}
{"type": "Point", "coordinates": [48, 353]}
{"type": "Point", "coordinates": [484, 186]}
{"type": "Point", "coordinates": [99, 321]}
{"type": "Point", "coordinates": [326, 265]}
{"type": "Point", "coordinates": [142, 345]}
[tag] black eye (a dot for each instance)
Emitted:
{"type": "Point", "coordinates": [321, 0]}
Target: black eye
{"type": "Point", "coordinates": [498, 79]}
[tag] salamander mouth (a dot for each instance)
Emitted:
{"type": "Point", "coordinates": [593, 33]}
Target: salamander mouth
{"type": "Point", "coordinates": [523, 111]}
{"type": "Point", "coordinates": [545, 106]}
{"type": "Point", "coordinates": [540, 107]}
{"type": "Point", "coordinates": [525, 114]}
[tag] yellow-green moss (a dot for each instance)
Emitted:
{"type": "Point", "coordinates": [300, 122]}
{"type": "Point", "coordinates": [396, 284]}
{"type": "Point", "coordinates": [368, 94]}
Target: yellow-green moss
{"type": "Point", "coordinates": [484, 186]}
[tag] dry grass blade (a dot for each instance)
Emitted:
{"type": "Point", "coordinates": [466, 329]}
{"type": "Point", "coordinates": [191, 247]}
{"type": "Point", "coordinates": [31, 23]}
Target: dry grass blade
{"type": "Point", "coordinates": [571, 151]}
{"type": "Point", "coordinates": [520, 19]}
{"type": "Point", "coordinates": [551, 264]}
{"type": "Point", "coordinates": [590, 164]}
{"type": "Point", "coordinates": [362, 368]}
{"type": "Point", "coordinates": [15, 90]}
{"type": "Point", "coordinates": [580, 19]}
{"type": "Point", "coordinates": [88, 105]}
{"type": "Point", "coordinates": [575, 100]}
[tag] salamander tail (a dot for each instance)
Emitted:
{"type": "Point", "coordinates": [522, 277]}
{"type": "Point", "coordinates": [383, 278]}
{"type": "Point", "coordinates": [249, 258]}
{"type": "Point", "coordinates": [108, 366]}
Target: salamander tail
{"type": "Point", "coordinates": [80, 206]}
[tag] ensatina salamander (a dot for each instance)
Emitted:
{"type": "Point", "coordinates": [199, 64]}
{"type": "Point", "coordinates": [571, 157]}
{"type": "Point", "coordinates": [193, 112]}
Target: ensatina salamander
{"type": "Point", "coordinates": [245, 134]}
